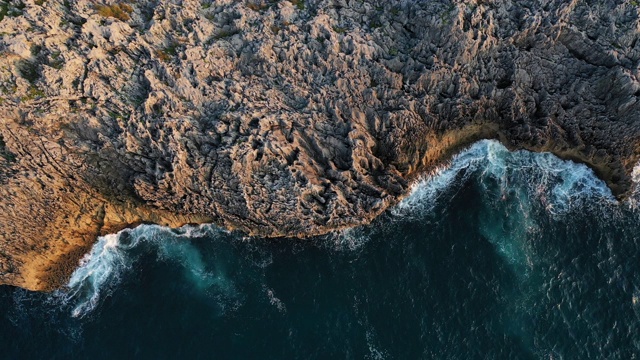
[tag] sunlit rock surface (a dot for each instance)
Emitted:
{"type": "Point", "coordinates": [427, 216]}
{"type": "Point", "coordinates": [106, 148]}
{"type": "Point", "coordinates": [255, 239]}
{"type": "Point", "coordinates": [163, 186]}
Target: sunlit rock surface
{"type": "Point", "coordinates": [284, 118]}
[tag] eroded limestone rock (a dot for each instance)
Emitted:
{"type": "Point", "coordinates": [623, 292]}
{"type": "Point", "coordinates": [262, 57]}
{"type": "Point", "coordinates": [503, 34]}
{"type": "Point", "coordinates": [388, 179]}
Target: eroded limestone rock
{"type": "Point", "coordinates": [284, 118]}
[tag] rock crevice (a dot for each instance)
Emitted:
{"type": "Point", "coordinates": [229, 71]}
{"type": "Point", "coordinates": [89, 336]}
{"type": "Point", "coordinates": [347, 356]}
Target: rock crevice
{"type": "Point", "coordinates": [286, 118]}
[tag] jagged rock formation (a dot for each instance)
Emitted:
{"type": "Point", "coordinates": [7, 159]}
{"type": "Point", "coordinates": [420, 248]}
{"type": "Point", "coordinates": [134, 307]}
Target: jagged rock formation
{"type": "Point", "coordinates": [284, 118]}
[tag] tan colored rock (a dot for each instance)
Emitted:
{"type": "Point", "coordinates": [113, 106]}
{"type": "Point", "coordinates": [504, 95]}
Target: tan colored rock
{"type": "Point", "coordinates": [286, 120]}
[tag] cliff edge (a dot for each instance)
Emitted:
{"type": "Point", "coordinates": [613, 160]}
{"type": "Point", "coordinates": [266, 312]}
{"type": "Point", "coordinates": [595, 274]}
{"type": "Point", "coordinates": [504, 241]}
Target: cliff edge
{"type": "Point", "coordinates": [286, 118]}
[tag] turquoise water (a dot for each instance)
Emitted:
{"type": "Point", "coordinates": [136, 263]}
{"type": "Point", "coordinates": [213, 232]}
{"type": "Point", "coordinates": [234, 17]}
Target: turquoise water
{"type": "Point", "coordinates": [500, 255]}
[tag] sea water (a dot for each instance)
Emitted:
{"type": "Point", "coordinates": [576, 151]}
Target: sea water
{"type": "Point", "coordinates": [500, 255]}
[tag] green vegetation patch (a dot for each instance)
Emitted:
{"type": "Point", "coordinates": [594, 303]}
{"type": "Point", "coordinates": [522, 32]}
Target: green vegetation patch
{"type": "Point", "coordinates": [33, 93]}
{"type": "Point", "coordinates": [56, 60]}
{"type": "Point", "coordinates": [10, 9]}
{"type": "Point", "coordinates": [167, 53]}
{"type": "Point", "coordinates": [28, 70]}
{"type": "Point", "coordinates": [339, 30]}
{"type": "Point", "coordinates": [298, 3]}
{"type": "Point", "coordinates": [257, 6]}
{"type": "Point", "coordinates": [5, 153]}
{"type": "Point", "coordinates": [119, 11]}
{"type": "Point", "coordinates": [261, 5]}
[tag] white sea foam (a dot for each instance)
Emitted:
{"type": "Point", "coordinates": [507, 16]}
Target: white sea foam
{"type": "Point", "coordinates": [634, 199]}
{"type": "Point", "coordinates": [558, 185]}
{"type": "Point", "coordinates": [112, 256]}
{"type": "Point", "coordinates": [425, 193]}
{"type": "Point", "coordinates": [349, 239]}
{"type": "Point", "coordinates": [102, 265]}
{"type": "Point", "coordinates": [273, 300]}
{"type": "Point", "coordinates": [515, 182]}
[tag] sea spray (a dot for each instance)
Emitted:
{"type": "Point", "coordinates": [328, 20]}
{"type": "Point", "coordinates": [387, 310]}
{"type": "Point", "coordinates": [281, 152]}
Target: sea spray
{"type": "Point", "coordinates": [114, 255]}
{"type": "Point", "coordinates": [103, 265]}
{"type": "Point", "coordinates": [515, 179]}
{"type": "Point", "coordinates": [499, 254]}
{"type": "Point", "coordinates": [634, 197]}
{"type": "Point", "coordinates": [560, 184]}
{"type": "Point", "coordinates": [425, 193]}
{"type": "Point", "coordinates": [347, 240]}
{"type": "Point", "coordinates": [519, 181]}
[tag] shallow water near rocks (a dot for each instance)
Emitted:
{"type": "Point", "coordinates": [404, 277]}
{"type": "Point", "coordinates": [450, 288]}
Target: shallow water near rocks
{"type": "Point", "coordinates": [499, 255]}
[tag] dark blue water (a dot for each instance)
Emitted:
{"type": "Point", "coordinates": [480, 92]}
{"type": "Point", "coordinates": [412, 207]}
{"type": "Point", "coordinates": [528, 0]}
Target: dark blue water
{"type": "Point", "coordinates": [501, 256]}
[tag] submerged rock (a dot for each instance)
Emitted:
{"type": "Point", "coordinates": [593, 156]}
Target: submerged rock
{"type": "Point", "coordinates": [286, 118]}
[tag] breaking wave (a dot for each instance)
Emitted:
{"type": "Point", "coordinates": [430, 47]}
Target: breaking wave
{"type": "Point", "coordinates": [519, 190]}
{"type": "Point", "coordinates": [114, 256]}
{"type": "Point", "coordinates": [523, 180]}
{"type": "Point", "coordinates": [561, 185]}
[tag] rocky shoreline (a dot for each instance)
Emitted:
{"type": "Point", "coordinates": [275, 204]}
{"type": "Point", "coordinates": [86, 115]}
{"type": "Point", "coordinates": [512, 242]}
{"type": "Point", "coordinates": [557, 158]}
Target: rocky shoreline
{"type": "Point", "coordinates": [286, 118]}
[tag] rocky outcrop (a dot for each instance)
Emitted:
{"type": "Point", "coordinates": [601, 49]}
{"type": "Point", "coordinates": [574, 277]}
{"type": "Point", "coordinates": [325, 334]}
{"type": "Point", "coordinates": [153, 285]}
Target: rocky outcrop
{"type": "Point", "coordinates": [286, 118]}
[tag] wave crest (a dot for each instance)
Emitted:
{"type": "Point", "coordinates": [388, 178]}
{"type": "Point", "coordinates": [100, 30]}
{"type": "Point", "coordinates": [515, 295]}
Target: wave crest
{"type": "Point", "coordinates": [113, 255]}
{"type": "Point", "coordinates": [557, 186]}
